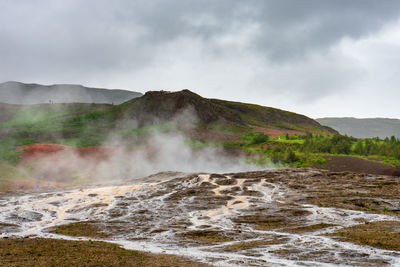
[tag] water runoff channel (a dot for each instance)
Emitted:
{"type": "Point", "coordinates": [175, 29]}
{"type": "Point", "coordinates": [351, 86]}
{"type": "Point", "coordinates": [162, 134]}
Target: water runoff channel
{"type": "Point", "coordinates": [169, 214]}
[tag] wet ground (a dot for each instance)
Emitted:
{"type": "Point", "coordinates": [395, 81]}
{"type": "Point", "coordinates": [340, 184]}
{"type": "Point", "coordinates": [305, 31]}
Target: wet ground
{"type": "Point", "coordinates": [360, 165]}
{"type": "Point", "coordinates": [265, 218]}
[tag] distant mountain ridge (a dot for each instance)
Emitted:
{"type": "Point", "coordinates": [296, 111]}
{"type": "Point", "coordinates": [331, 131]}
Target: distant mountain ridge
{"type": "Point", "coordinates": [28, 94]}
{"type": "Point", "coordinates": [364, 128]}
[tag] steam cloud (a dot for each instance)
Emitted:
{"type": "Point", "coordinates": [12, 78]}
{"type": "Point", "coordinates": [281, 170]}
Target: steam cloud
{"type": "Point", "coordinates": [158, 152]}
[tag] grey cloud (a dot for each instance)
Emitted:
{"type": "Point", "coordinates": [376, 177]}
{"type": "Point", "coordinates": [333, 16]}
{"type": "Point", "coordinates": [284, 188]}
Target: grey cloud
{"type": "Point", "coordinates": [75, 41]}
{"type": "Point", "coordinates": [292, 29]}
{"type": "Point", "coordinates": [96, 35]}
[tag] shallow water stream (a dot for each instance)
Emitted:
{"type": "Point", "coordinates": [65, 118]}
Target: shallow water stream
{"type": "Point", "coordinates": [245, 221]}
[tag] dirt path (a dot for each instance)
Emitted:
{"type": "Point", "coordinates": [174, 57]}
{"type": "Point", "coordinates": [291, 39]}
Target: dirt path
{"type": "Point", "coordinates": [359, 165]}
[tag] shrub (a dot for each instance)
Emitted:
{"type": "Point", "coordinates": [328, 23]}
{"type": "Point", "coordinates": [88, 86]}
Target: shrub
{"type": "Point", "coordinates": [260, 138]}
{"type": "Point", "coordinates": [291, 157]}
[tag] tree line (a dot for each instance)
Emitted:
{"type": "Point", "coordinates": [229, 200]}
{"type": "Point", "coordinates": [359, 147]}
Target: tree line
{"type": "Point", "coordinates": [342, 144]}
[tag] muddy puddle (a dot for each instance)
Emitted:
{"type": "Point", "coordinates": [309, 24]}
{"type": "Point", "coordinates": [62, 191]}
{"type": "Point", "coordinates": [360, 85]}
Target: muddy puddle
{"type": "Point", "coordinates": [266, 218]}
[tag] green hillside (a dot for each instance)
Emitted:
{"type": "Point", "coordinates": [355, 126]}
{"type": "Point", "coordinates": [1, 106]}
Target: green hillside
{"type": "Point", "coordinates": [163, 106]}
{"type": "Point", "coordinates": [253, 133]}
{"type": "Point", "coordinates": [89, 124]}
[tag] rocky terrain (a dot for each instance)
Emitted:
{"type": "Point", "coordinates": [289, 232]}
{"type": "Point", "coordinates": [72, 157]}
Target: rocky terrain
{"type": "Point", "coordinates": [78, 172]}
{"type": "Point", "coordinates": [289, 217]}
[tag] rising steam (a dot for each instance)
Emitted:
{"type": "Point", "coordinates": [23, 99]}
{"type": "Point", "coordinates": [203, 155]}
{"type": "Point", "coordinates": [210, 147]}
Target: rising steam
{"type": "Point", "coordinates": [158, 152]}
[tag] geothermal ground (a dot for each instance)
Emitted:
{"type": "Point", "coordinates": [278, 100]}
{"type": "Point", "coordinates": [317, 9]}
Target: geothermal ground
{"type": "Point", "coordinates": [291, 217]}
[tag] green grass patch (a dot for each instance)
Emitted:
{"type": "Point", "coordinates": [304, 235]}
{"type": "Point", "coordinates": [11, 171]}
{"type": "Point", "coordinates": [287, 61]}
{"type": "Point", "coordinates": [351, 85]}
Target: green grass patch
{"type": "Point", "coordinates": [199, 144]}
{"type": "Point", "coordinates": [9, 171]}
{"type": "Point", "coordinates": [255, 138]}
{"type": "Point", "coordinates": [55, 252]}
{"type": "Point", "coordinates": [381, 234]}
{"type": "Point", "coordinates": [206, 236]}
{"type": "Point", "coordinates": [309, 228]}
{"type": "Point", "coordinates": [291, 141]}
{"type": "Point", "coordinates": [86, 228]}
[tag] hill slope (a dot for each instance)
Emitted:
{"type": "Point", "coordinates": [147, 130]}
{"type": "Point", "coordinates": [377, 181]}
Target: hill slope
{"type": "Point", "coordinates": [364, 128]}
{"type": "Point", "coordinates": [27, 94]}
{"type": "Point", "coordinates": [160, 105]}
{"type": "Point", "coordinates": [202, 119]}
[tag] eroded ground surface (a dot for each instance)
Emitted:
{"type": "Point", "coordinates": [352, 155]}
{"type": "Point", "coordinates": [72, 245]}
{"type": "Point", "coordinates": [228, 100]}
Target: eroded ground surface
{"type": "Point", "coordinates": [266, 218]}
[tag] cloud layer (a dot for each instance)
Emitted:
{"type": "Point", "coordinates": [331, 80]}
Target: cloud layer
{"type": "Point", "coordinates": [320, 58]}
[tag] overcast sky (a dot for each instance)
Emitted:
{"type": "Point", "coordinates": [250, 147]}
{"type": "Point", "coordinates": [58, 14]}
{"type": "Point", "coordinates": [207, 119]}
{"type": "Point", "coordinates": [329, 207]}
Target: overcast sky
{"type": "Point", "coordinates": [318, 58]}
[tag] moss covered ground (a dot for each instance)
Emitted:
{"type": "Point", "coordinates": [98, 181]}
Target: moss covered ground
{"type": "Point", "coordinates": [55, 252]}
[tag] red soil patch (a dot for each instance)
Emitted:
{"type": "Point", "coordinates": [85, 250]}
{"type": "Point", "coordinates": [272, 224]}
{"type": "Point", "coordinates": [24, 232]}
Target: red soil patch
{"type": "Point", "coordinates": [31, 152]}
{"type": "Point", "coordinates": [63, 163]}
{"type": "Point", "coordinates": [353, 164]}
{"type": "Point", "coordinates": [41, 148]}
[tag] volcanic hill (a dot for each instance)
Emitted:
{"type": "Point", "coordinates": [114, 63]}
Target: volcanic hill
{"type": "Point", "coordinates": [164, 106]}
{"type": "Point", "coordinates": [81, 124]}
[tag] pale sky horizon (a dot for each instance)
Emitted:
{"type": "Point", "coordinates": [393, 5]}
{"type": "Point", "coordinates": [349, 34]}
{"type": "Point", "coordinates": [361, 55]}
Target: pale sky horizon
{"type": "Point", "coordinates": [317, 58]}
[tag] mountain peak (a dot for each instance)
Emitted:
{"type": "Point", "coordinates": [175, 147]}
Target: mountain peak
{"type": "Point", "coordinates": [186, 92]}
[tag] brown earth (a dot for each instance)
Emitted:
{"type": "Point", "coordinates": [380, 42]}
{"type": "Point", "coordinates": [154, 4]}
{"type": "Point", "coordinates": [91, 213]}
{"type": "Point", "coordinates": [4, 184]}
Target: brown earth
{"type": "Point", "coordinates": [32, 152]}
{"type": "Point", "coordinates": [347, 190]}
{"type": "Point", "coordinates": [381, 234]}
{"type": "Point", "coordinates": [359, 165]}
{"type": "Point", "coordinates": [208, 135]}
